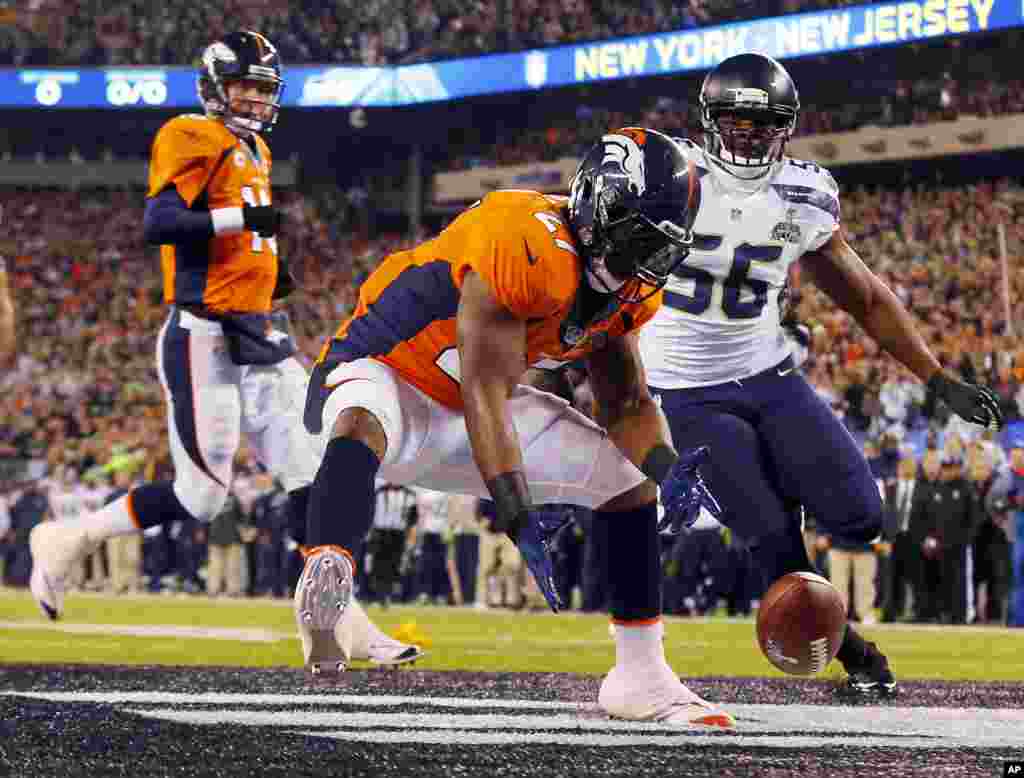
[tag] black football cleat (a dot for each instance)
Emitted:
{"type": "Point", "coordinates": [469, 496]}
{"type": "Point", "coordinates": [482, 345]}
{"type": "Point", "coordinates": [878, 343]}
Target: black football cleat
{"type": "Point", "coordinates": [871, 680]}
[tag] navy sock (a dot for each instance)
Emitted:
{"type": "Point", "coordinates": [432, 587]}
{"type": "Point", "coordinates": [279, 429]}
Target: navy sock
{"type": "Point", "coordinates": [634, 562]}
{"type": "Point", "coordinates": [853, 651]}
{"type": "Point", "coordinates": [298, 509]}
{"type": "Point", "coordinates": [155, 504]}
{"type": "Point", "coordinates": [777, 555]}
{"type": "Point", "coordinates": [340, 509]}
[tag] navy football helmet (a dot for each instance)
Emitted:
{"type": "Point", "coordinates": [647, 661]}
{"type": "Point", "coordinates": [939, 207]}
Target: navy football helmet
{"type": "Point", "coordinates": [632, 204]}
{"type": "Point", "coordinates": [241, 56]}
{"type": "Point", "coordinates": [748, 111]}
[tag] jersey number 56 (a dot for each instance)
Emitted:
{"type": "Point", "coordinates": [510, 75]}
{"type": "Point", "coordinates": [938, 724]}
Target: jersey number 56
{"type": "Point", "coordinates": [732, 287]}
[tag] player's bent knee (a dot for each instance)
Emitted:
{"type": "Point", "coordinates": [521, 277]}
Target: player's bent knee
{"type": "Point", "coordinates": [856, 514]}
{"type": "Point", "coordinates": [362, 425]}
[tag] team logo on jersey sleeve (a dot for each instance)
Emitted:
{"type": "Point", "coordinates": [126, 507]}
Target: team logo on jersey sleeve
{"type": "Point", "coordinates": [787, 231]}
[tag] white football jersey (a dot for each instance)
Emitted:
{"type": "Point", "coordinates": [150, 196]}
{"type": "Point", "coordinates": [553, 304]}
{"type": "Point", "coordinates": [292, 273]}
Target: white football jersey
{"type": "Point", "coordinates": [720, 318]}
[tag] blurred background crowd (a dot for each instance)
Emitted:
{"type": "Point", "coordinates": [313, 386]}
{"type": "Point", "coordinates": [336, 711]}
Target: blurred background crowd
{"type": "Point", "coordinates": [56, 32]}
{"type": "Point", "coordinates": [81, 410]}
{"type": "Point", "coordinates": [83, 402]}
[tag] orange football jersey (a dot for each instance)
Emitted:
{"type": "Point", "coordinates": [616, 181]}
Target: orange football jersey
{"type": "Point", "coordinates": [520, 244]}
{"type": "Point", "coordinates": [212, 167]}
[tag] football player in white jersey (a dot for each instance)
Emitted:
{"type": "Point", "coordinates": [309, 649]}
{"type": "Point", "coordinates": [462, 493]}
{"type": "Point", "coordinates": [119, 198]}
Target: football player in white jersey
{"type": "Point", "coordinates": [719, 359]}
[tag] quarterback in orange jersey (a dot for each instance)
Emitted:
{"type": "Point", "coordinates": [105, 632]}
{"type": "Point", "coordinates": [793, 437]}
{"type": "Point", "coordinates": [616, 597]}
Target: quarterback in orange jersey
{"type": "Point", "coordinates": [224, 365]}
{"type": "Point", "coordinates": [422, 386]}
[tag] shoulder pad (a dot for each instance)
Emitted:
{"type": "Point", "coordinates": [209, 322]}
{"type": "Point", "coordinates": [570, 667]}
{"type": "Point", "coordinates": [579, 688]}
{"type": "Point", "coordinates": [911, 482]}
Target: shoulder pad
{"type": "Point", "coordinates": [806, 183]}
{"type": "Point", "coordinates": [197, 129]}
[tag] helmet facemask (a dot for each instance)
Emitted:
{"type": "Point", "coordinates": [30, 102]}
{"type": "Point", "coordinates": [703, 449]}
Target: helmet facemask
{"type": "Point", "coordinates": [631, 256]}
{"type": "Point", "coordinates": [243, 114]}
{"type": "Point", "coordinates": [632, 204]}
{"type": "Point", "coordinates": [752, 139]}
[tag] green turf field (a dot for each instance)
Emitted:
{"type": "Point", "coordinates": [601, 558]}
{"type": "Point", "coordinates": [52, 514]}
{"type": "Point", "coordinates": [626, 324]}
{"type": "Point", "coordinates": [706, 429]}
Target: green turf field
{"type": "Point", "coordinates": [169, 630]}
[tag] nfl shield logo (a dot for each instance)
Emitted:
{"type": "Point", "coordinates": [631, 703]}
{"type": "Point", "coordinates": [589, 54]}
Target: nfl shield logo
{"type": "Point", "coordinates": [536, 69]}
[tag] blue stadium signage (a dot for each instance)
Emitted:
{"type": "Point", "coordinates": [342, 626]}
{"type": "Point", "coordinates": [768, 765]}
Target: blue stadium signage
{"type": "Point", "coordinates": [820, 32]}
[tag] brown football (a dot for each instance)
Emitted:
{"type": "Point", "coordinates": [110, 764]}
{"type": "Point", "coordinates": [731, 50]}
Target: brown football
{"type": "Point", "coordinates": [800, 624]}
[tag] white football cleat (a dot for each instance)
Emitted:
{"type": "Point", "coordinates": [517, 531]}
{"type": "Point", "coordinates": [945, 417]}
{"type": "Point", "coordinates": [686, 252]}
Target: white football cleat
{"type": "Point", "coordinates": [322, 594]}
{"type": "Point", "coordinates": [660, 696]}
{"type": "Point", "coordinates": [388, 652]}
{"type": "Point", "coordinates": [55, 547]}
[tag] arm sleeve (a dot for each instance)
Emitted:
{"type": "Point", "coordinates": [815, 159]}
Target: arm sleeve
{"type": "Point", "coordinates": [825, 198]}
{"type": "Point", "coordinates": [168, 220]}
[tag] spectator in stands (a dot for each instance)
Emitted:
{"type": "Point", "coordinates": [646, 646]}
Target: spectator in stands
{"type": "Point", "coordinates": [269, 515]}
{"type": "Point", "coordinates": [6, 536]}
{"type": "Point", "coordinates": [225, 571]}
{"type": "Point", "coordinates": [7, 321]}
{"type": "Point", "coordinates": [27, 511]}
{"type": "Point", "coordinates": [991, 548]}
{"type": "Point", "coordinates": [922, 530]}
{"type": "Point", "coordinates": [395, 514]}
{"type": "Point", "coordinates": [948, 515]}
{"type": "Point", "coordinates": [432, 553]}
{"type": "Point", "coordinates": [854, 566]}
{"type": "Point", "coordinates": [898, 577]}
{"type": "Point", "coordinates": [124, 552]}
{"type": "Point", "coordinates": [464, 520]}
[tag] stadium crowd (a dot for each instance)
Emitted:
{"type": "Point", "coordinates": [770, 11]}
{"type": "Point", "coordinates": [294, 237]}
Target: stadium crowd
{"type": "Point", "coordinates": [889, 103]}
{"type": "Point", "coordinates": [84, 404]}
{"type": "Point", "coordinates": [57, 32]}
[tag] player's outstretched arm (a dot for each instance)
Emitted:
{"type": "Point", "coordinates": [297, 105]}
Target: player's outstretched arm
{"type": "Point", "coordinates": [636, 424]}
{"type": "Point", "coordinates": [838, 271]}
{"type": "Point", "coordinates": [492, 356]}
{"type": "Point", "coordinates": [624, 405]}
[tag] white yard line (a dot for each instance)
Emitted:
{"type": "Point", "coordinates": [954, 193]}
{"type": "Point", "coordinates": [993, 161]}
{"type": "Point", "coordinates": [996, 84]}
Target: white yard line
{"type": "Point", "coordinates": [245, 635]}
{"type": "Point", "coordinates": [500, 721]}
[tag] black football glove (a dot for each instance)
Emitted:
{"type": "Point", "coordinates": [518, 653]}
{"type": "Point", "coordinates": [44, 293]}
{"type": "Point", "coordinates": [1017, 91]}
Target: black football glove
{"type": "Point", "coordinates": [265, 220]}
{"type": "Point", "coordinates": [976, 404]}
{"type": "Point", "coordinates": [285, 283]}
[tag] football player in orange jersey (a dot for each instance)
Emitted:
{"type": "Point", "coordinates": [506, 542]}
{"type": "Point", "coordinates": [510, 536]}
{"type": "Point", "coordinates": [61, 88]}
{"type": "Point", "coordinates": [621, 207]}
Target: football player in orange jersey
{"type": "Point", "coordinates": [422, 386]}
{"type": "Point", "coordinates": [223, 364]}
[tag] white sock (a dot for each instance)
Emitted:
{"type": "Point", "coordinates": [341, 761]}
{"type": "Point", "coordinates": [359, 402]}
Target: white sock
{"type": "Point", "coordinates": [110, 520]}
{"type": "Point", "coordinates": [640, 645]}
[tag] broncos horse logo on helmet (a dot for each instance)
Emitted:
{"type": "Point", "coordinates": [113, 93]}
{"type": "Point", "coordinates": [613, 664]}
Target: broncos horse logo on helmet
{"type": "Point", "coordinates": [632, 204]}
{"type": "Point", "coordinates": [241, 56]}
{"type": "Point", "coordinates": [748, 111]}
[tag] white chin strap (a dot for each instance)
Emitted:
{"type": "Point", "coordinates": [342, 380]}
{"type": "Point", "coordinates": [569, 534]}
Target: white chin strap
{"type": "Point", "coordinates": [601, 280]}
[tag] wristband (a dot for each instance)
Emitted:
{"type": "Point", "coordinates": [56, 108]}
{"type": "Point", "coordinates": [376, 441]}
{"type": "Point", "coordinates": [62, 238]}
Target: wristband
{"type": "Point", "coordinates": [658, 462]}
{"type": "Point", "coordinates": [511, 498]}
{"type": "Point", "coordinates": [227, 221]}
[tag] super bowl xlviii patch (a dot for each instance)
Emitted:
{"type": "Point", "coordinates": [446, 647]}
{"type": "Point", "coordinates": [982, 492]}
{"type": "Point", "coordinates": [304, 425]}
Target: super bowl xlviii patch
{"type": "Point", "coordinates": [787, 231]}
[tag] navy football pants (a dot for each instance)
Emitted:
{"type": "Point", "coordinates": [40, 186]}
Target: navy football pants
{"type": "Point", "coordinates": [775, 446]}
